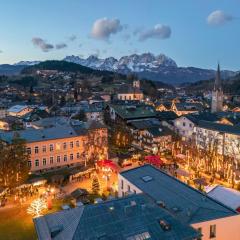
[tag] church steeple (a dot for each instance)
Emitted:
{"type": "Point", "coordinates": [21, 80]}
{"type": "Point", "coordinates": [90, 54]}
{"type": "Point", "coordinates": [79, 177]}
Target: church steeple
{"type": "Point", "coordinates": [217, 93]}
{"type": "Point", "coordinates": [218, 82]}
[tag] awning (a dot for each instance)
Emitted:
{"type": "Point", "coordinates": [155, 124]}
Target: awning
{"type": "Point", "coordinates": [107, 163]}
{"type": "Point", "coordinates": [154, 160]}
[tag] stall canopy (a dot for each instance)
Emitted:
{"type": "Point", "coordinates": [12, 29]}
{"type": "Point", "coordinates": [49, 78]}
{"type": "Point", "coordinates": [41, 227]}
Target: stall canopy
{"type": "Point", "coordinates": [107, 164]}
{"type": "Point", "coordinates": [154, 160]}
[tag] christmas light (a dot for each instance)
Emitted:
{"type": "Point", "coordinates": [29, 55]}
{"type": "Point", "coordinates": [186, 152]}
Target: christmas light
{"type": "Point", "coordinates": [37, 207]}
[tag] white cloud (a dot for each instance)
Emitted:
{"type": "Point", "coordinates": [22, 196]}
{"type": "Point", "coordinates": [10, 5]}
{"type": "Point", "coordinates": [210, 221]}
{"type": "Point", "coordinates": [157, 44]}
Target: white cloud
{"type": "Point", "coordinates": [103, 28]}
{"type": "Point", "coordinates": [218, 17]}
{"type": "Point", "coordinates": [160, 31]}
{"type": "Point", "coordinates": [61, 45]}
{"type": "Point", "coordinates": [42, 44]}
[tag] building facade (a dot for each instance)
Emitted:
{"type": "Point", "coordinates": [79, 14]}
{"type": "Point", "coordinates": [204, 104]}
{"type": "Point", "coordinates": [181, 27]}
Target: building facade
{"type": "Point", "coordinates": [60, 146]}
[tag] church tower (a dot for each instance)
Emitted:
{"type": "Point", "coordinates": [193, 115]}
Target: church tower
{"type": "Point", "coordinates": [217, 94]}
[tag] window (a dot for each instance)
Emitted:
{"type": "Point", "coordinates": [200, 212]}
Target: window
{"type": "Point", "coordinates": [51, 160]}
{"type": "Point", "coordinates": [44, 149]}
{"type": "Point", "coordinates": [36, 149]}
{"type": "Point", "coordinates": [78, 155]}
{"type": "Point", "coordinates": [44, 161]}
{"type": "Point", "coordinates": [29, 150]}
{"type": "Point", "coordinates": [71, 156]}
{"type": "Point", "coordinates": [29, 163]}
{"type": "Point", "coordinates": [190, 125]}
{"type": "Point", "coordinates": [184, 124]}
{"type": "Point", "coordinates": [77, 143]}
{"type": "Point", "coordinates": [121, 184]}
{"type": "Point", "coordinates": [64, 146]}
{"type": "Point", "coordinates": [200, 231]}
{"type": "Point", "coordinates": [212, 231]}
{"type": "Point", "coordinates": [65, 158]}
{"type": "Point", "coordinates": [58, 159]}
{"type": "Point", "coordinates": [71, 144]}
{"type": "Point", "coordinates": [129, 188]}
{"type": "Point", "coordinates": [36, 163]}
{"type": "Point", "coordinates": [51, 147]}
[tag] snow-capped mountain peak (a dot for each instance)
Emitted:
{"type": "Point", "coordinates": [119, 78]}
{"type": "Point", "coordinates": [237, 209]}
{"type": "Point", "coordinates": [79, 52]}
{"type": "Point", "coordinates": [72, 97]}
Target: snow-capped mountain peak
{"type": "Point", "coordinates": [133, 63]}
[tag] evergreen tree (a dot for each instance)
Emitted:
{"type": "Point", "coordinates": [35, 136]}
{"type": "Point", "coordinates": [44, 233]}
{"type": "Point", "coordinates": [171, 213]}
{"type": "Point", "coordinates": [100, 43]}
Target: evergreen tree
{"type": "Point", "coordinates": [13, 163]}
{"type": "Point", "coordinates": [95, 185]}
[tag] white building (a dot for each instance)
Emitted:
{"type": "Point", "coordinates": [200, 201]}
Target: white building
{"type": "Point", "coordinates": [19, 110]}
{"type": "Point", "coordinates": [184, 126]}
{"type": "Point", "coordinates": [212, 218]}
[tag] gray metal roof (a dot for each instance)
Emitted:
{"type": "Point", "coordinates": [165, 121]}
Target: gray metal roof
{"type": "Point", "coordinates": [186, 203]}
{"type": "Point", "coordinates": [67, 220]}
{"type": "Point", "coordinates": [36, 135]}
{"type": "Point", "coordinates": [224, 128]}
{"type": "Point", "coordinates": [128, 218]}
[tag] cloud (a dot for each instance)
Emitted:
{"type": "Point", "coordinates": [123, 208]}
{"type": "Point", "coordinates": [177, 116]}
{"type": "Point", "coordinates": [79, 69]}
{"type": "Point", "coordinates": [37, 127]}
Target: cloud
{"type": "Point", "coordinates": [72, 37]}
{"type": "Point", "coordinates": [218, 17]}
{"type": "Point", "coordinates": [1, 51]}
{"type": "Point", "coordinates": [103, 28]}
{"type": "Point", "coordinates": [61, 45]}
{"type": "Point", "coordinates": [42, 44]}
{"type": "Point", "coordinates": [158, 32]}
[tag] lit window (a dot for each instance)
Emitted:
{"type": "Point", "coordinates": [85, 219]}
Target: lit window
{"type": "Point", "coordinates": [51, 160]}
{"type": "Point", "coordinates": [51, 147]}
{"type": "Point", "coordinates": [44, 162]}
{"type": "Point", "coordinates": [44, 149]}
{"type": "Point", "coordinates": [212, 231]}
{"type": "Point", "coordinates": [36, 163]}
{"type": "Point", "coordinates": [36, 149]}
{"type": "Point", "coordinates": [29, 150]}
{"type": "Point", "coordinates": [64, 146]}
{"type": "Point", "coordinates": [71, 144]}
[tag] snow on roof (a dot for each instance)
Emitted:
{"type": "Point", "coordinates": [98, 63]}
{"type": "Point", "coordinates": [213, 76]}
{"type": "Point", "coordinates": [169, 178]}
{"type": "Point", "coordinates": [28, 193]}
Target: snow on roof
{"type": "Point", "coordinates": [228, 196]}
{"type": "Point", "coordinates": [17, 108]}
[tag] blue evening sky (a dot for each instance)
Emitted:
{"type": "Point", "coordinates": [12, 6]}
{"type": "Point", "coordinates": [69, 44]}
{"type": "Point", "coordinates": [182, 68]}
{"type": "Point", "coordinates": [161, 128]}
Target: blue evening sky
{"type": "Point", "coordinates": [193, 40]}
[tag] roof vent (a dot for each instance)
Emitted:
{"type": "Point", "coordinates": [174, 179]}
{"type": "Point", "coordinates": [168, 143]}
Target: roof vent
{"type": "Point", "coordinates": [55, 230]}
{"type": "Point", "coordinates": [161, 204]}
{"type": "Point", "coordinates": [165, 225]}
{"type": "Point", "coordinates": [147, 178]}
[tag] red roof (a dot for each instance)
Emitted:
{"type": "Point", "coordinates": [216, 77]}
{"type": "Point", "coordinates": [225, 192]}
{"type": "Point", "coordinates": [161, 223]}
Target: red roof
{"type": "Point", "coordinates": [107, 163]}
{"type": "Point", "coordinates": [154, 160]}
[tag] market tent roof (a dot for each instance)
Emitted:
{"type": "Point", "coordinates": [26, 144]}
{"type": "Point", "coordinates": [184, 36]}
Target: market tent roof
{"type": "Point", "coordinates": [182, 172]}
{"type": "Point", "coordinates": [107, 163]}
{"type": "Point", "coordinates": [154, 160]}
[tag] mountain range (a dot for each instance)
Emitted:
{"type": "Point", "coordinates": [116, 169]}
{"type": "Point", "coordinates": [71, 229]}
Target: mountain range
{"type": "Point", "coordinates": [146, 65]}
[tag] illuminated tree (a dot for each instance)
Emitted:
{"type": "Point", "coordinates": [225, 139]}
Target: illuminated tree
{"type": "Point", "coordinates": [37, 207]}
{"type": "Point", "coordinates": [13, 162]}
{"type": "Point", "coordinates": [95, 185]}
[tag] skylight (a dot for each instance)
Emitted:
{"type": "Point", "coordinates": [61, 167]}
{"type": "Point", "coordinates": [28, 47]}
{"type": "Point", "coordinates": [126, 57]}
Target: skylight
{"type": "Point", "coordinates": [147, 178]}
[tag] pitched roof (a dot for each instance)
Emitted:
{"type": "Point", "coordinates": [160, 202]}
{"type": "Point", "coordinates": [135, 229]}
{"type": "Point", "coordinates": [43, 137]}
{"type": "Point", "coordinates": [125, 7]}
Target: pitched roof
{"type": "Point", "coordinates": [186, 203]}
{"type": "Point", "coordinates": [228, 196]}
{"type": "Point", "coordinates": [129, 112]}
{"type": "Point", "coordinates": [223, 128]}
{"type": "Point", "coordinates": [129, 218]}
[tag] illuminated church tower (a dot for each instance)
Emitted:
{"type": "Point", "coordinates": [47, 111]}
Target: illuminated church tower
{"type": "Point", "coordinates": [217, 94]}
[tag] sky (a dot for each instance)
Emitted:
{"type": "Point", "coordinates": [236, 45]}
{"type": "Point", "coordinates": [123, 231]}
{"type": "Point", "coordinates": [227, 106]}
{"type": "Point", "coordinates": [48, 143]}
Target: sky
{"type": "Point", "coordinates": [195, 33]}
